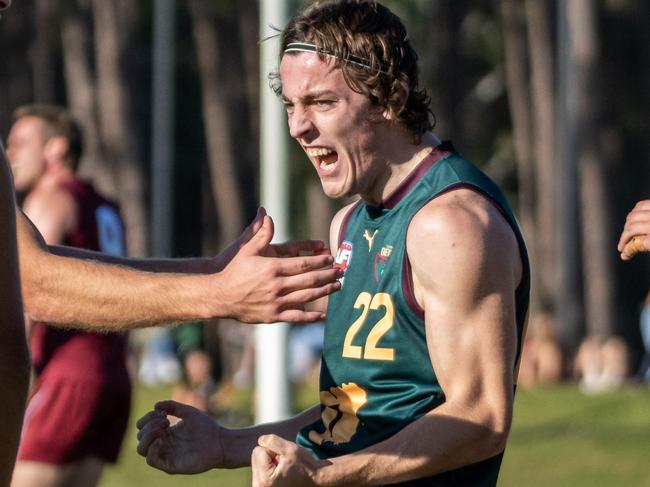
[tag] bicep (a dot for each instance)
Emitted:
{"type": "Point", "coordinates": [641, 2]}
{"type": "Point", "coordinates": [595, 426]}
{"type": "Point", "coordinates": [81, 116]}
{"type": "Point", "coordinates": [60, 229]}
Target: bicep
{"type": "Point", "coordinates": [465, 269]}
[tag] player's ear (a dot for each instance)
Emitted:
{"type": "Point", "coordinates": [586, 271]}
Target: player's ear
{"type": "Point", "coordinates": [397, 101]}
{"type": "Point", "coordinates": [56, 149]}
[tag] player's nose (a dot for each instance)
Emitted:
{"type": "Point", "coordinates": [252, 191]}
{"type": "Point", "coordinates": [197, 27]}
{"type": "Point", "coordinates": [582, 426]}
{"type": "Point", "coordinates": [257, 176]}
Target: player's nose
{"type": "Point", "coordinates": [299, 123]}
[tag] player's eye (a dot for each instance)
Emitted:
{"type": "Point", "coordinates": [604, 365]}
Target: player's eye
{"type": "Point", "coordinates": [324, 103]}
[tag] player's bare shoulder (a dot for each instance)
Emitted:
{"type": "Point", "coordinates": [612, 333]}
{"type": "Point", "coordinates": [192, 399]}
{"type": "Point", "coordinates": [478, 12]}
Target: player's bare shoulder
{"type": "Point", "coordinates": [463, 227]}
{"type": "Point", "coordinates": [337, 222]}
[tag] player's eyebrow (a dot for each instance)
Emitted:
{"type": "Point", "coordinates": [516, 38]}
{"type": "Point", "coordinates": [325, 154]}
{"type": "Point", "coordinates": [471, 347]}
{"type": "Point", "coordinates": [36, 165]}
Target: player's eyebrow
{"type": "Point", "coordinates": [311, 96]}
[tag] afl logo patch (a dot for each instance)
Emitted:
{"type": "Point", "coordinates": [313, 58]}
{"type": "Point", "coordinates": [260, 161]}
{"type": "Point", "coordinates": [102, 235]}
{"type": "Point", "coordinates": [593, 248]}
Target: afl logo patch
{"type": "Point", "coordinates": [343, 258]}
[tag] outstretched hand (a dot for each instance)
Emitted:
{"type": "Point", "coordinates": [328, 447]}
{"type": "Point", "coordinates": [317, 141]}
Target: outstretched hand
{"type": "Point", "coordinates": [635, 237]}
{"type": "Point", "coordinates": [265, 283]}
{"type": "Point", "coordinates": [192, 445]}
{"type": "Point", "coordinates": [277, 462]}
{"type": "Point", "coordinates": [292, 248]}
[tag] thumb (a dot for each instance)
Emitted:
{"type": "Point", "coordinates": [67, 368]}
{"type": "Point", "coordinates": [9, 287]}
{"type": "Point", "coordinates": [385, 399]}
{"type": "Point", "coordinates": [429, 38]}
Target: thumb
{"type": "Point", "coordinates": [253, 227]}
{"type": "Point", "coordinates": [274, 443]}
{"type": "Point", "coordinates": [262, 238]}
{"type": "Point", "coordinates": [174, 408]}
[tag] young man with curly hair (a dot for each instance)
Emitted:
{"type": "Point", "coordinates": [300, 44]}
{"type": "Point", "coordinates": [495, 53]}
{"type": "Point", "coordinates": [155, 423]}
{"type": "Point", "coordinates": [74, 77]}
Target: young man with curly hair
{"type": "Point", "coordinates": [422, 342]}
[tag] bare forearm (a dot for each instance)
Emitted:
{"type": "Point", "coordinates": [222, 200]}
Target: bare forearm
{"type": "Point", "coordinates": [91, 294]}
{"type": "Point", "coordinates": [195, 265]}
{"type": "Point", "coordinates": [436, 443]}
{"type": "Point", "coordinates": [87, 293]}
{"type": "Point", "coordinates": [241, 442]}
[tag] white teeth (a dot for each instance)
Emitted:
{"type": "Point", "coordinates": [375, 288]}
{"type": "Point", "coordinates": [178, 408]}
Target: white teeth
{"type": "Point", "coordinates": [318, 152]}
{"type": "Point", "coordinates": [326, 166]}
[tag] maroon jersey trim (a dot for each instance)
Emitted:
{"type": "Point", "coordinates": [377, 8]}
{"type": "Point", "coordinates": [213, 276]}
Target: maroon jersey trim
{"type": "Point", "coordinates": [407, 270]}
{"type": "Point", "coordinates": [439, 152]}
{"type": "Point", "coordinates": [346, 221]}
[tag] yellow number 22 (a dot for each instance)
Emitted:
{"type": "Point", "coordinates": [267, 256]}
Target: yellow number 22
{"type": "Point", "coordinates": [371, 351]}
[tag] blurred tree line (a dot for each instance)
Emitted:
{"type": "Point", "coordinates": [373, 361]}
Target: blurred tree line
{"type": "Point", "coordinates": [549, 97]}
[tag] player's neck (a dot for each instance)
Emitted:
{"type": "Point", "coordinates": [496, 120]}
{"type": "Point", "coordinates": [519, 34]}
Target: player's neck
{"type": "Point", "coordinates": [401, 161]}
{"type": "Point", "coordinates": [53, 179]}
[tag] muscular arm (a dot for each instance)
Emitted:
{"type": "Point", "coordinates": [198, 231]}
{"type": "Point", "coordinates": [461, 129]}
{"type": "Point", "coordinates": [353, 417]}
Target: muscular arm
{"type": "Point", "coordinates": [60, 288]}
{"type": "Point", "coordinates": [14, 358]}
{"type": "Point", "coordinates": [53, 212]}
{"type": "Point", "coordinates": [466, 267]}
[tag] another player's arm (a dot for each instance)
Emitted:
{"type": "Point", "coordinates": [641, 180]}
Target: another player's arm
{"type": "Point", "coordinates": [14, 357]}
{"type": "Point", "coordinates": [197, 443]}
{"type": "Point", "coordinates": [54, 213]}
{"type": "Point", "coordinates": [635, 237]}
{"type": "Point", "coordinates": [251, 287]}
{"type": "Point", "coordinates": [466, 266]}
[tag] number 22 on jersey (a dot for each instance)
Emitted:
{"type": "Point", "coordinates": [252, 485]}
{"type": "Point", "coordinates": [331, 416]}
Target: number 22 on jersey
{"type": "Point", "coordinates": [366, 302]}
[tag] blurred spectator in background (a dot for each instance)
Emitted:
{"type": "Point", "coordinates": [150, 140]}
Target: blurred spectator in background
{"type": "Point", "coordinates": [198, 384]}
{"type": "Point", "coordinates": [541, 358]}
{"type": "Point", "coordinates": [79, 407]}
{"type": "Point", "coordinates": [158, 363]}
{"type": "Point", "coordinates": [602, 364]}
{"type": "Point", "coordinates": [305, 350]}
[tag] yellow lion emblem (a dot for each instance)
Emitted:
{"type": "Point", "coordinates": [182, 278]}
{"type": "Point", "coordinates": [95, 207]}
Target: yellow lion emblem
{"type": "Point", "coordinates": [340, 413]}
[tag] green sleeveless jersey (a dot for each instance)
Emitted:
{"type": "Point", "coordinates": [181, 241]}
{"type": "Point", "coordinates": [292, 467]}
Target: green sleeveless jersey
{"type": "Point", "coordinates": [376, 376]}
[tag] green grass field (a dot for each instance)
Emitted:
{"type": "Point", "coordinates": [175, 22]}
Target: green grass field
{"type": "Point", "coordinates": [560, 437]}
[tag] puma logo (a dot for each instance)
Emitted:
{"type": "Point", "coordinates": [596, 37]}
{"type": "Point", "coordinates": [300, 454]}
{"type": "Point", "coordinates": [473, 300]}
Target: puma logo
{"type": "Point", "coordinates": [370, 238]}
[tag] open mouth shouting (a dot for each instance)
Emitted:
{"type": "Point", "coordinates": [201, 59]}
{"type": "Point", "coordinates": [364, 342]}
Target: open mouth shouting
{"type": "Point", "coordinates": [326, 159]}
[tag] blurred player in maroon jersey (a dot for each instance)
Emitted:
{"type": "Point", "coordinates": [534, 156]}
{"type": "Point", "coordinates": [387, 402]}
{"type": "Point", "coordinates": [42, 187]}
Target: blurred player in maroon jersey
{"type": "Point", "coordinates": [79, 409]}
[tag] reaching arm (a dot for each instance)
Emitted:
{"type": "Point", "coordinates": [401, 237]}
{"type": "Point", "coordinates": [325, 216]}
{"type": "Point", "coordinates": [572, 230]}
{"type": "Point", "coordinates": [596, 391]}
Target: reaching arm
{"type": "Point", "coordinates": [253, 284]}
{"type": "Point", "coordinates": [197, 443]}
{"type": "Point", "coordinates": [14, 357]}
{"type": "Point", "coordinates": [466, 267]}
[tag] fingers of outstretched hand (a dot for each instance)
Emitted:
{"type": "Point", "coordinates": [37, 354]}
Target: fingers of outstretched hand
{"type": "Point", "coordinates": [261, 238]}
{"type": "Point", "coordinates": [263, 464]}
{"type": "Point", "coordinates": [254, 226]}
{"type": "Point", "coordinates": [158, 457]}
{"type": "Point", "coordinates": [147, 435]}
{"type": "Point", "coordinates": [148, 417]}
{"type": "Point", "coordinates": [637, 244]}
{"type": "Point", "coordinates": [636, 223]}
{"type": "Point", "coordinates": [153, 424]}
{"type": "Point", "coordinates": [174, 408]}
{"type": "Point", "coordinates": [300, 265]}
{"type": "Point", "coordinates": [301, 292]}
{"type": "Point", "coordinates": [310, 280]}
{"type": "Point", "coordinates": [300, 316]}
{"type": "Point", "coordinates": [294, 248]}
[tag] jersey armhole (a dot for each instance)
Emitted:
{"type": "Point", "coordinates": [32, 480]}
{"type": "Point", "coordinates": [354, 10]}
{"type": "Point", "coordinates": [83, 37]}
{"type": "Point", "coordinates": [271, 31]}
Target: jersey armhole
{"type": "Point", "coordinates": [344, 223]}
{"type": "Point", "coordinates": [407, 270]}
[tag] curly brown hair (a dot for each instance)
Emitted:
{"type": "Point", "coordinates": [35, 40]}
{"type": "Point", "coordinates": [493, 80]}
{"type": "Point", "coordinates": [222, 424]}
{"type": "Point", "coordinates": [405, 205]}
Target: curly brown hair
{"type": "Point", "coordinates": [369, 44]}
